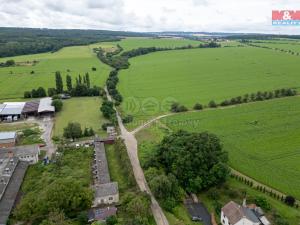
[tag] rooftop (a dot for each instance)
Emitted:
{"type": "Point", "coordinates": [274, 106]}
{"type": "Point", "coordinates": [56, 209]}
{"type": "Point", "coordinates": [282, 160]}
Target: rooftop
{"type": "Point", "coordinates": [7, 135]}
{"type": "Point", "coordinates": [12, 108]}
{"type": "Point", "coordinates": [100, 167]}
{"type": "Point", "coordinates": [20, 150]}
{"type": "Point", "coordinates": [31, 107]}
{"type": "Point", "coordinates": [45, 105]}
{"type": "Point", "coordinates": [103, 190]}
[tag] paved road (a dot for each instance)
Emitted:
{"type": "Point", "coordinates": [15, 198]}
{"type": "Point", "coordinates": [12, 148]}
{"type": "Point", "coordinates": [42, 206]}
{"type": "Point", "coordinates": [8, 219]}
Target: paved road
{"type": "Point", "coordinates": [132, 150]}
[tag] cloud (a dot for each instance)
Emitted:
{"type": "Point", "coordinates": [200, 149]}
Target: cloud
{"type": "Point", "coordinates": [147, 15]}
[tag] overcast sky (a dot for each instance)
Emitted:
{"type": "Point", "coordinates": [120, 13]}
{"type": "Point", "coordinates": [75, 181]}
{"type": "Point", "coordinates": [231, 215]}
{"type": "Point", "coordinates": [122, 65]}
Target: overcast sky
{"type": "Point", "coordinates": [148, 15]}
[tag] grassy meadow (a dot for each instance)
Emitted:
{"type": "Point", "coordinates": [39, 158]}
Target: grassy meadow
{"type": "Point", "coordinates": [155, 80]}
{"type": "Point", "coordinates": [70, 60]}
{"type": "Point", "coordinates": [262, 139]}
{"type": "Point", "coordinates": [84, 110]}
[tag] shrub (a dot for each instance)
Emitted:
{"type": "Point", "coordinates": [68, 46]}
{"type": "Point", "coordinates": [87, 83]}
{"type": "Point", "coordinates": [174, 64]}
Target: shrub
{"type": "Point", "coordinates": [198, 106]}
{"type": "Point", "coordinates": [27, 94]}
{"type": "Point", "coordinates": [127, 119]}
{"type": "Point", "coordinates": [290, 200]}
{"type": "Point", "coordinates": [262, 202]}
{"type": "Point", "coordinates": [58, 104]}
{"type": "Point", "coordinates": [212, 104]}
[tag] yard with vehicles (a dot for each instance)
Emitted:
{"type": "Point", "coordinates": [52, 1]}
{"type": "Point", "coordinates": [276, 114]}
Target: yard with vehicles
{"type": "Point", "coordinates": [154, 81]}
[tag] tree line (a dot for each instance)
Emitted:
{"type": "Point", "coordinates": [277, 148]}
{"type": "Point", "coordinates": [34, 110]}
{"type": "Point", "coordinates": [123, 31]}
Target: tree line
{"type": "Point", "coordinates": [23, 41]}
{"type": "Point", "coordinates": [82, 87]}
{"type": "Point", "coordinates": [8, 63]}
{"type": "Point", "coordinates": [253, 97]}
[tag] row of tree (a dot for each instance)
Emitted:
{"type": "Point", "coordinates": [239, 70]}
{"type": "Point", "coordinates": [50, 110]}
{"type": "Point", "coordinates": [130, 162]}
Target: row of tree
{"type": "Point", "coordinates": [253, 97]}
{"type": "Point", "coordinates": [111, 84]}
{"type": "Point", "coordinates": [108, 111]}
{"type": "Point", "coordinates": [289, 200]}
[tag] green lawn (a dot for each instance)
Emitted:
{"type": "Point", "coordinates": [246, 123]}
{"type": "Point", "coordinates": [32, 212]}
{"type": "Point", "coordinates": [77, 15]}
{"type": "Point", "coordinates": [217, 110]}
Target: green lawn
{"type": "Point", "coordinates": [201, 75]}
{"type": "Point", "coordinates": [77, 60]}
{"type": "Point", "coordinates": [262, 138]}
{"type": "Point", "coordinates": [84, 110]}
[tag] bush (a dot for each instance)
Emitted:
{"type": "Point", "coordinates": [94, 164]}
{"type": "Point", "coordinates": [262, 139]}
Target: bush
{"type": "Point", "coordinates": [290, 200]}
{"type": "Point", "coordinates": [176, 107]}
{"type": "Point", "coordinates": [212, 104]}
{"type": "Point", "coordinates": [94, 68]}
{"type": "Point", "coordinates": [73, 130]}
{"type": "Point", "coordinates": [263, 203]}
{"type": "Point", "coordinates": [198, 106]}
{"type": "Point", "coordinates": [27, 94]}
{"type": "Point", "coordinates": [127, 119]}
{"type": "Point", "coordinates": [58, 104]}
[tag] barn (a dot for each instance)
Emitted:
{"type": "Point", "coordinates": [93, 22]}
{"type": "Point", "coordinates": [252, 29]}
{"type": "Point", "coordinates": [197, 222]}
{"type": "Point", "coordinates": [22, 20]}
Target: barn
{"type": "Point", "coordinates": [8, 139]}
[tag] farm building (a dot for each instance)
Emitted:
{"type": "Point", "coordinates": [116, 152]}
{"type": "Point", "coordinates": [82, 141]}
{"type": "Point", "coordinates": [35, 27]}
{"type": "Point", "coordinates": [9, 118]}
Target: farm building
{"type": "Point", "coordinates": [8, 139]}
{"type": "Point", "coordinates": [45, 107]}
{"type": "Point", "coordinates": [101, 214]}
{"type": "Point", "coordinates": [13, 165]}
{"type": "Point", "coordinates": [234, 214]}
{"type": "Point", "coordinates": [106, 192]}
{"type": "Point", "coordinates": [31, 108]}
{"type": "Point", "coordinates": [11, 111]}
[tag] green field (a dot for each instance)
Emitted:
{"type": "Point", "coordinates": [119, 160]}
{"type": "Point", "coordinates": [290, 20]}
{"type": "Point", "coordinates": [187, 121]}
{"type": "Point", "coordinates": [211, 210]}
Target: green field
{"type": "Point", "coordinates": [262, 139]}
{"type": "Point", "coordinates": [78, 60]}
{"type": "Point", "coordinates": [201, 75]}
{"type": "Point", "coordinates": [287, 45]}
{"type": "Point", "coordinates": [85, 110]}
{"type": "Point", "coordinates": [133, 43]}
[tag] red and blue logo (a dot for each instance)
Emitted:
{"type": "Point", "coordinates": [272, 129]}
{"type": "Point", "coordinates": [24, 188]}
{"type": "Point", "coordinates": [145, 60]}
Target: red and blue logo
{"type": "Point", "coordinates": [286, 17]}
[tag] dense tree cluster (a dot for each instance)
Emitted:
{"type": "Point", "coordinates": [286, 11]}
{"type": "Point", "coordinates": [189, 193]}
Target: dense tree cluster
{"type": "Point", "coordinates": [8, 63]}
{"type": "Point", "coordinates": [74, 131]}
{"type": "Point", "coordinates": [108, 111]}
{"type": "Point", "coordinates": [176, 107]}
{"type": "Point", "coordinates": [35, 93]}
{"type": "Point", "coordinates": [197, 160]}
{"type": "Point", "coordinates": [61, 195]}
{"type": "Point", "coordinates": [22, 41]}
{"type": "Point", "coordinates": [111, 84]}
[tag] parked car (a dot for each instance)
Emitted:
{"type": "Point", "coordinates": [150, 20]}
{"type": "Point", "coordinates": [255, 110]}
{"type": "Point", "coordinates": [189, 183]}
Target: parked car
{"type": "Point", "coordinates": [196, 218]}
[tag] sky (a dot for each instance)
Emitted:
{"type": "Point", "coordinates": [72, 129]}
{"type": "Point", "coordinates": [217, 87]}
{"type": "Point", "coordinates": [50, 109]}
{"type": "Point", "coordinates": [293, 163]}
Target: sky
{"type": "Point", "coordinates": [248, 16]}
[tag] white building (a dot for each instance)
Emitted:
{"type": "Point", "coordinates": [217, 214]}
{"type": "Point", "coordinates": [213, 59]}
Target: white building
{"type": "Point", "coordinates": [26, 153]}
{"type": "Point", "coordinates": [234, 214]}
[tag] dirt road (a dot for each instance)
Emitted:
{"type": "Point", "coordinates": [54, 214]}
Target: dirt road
{"type": "Point", "coordinates": [132, 150]}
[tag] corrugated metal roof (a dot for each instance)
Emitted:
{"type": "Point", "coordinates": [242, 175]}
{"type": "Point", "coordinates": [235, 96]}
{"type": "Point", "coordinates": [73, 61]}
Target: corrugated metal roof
{"type": "Point", "coordinates": [12, 108]}
{"type": "Point", "coordinates": [7, 135]}
{"type": "Point", "coordinates": [45, 105]}
{"type": "Point", "coordinates": [1, 107]}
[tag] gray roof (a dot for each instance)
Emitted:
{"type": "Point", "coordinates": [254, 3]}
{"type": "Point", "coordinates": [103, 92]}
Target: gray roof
{"type": "Point", "coordinates": [249, 214]}
{"type": "Point", "coordinates": [100, 167]}
{"type": "Point", "coordinates": [104, 190]}
{"type": "Point", "coordinates": [12, 108]}
{"type": "Point", "coordinates": [45, 105]}
{"type": "Point", "coordinates": [20, 150]}
{"type": "Point", "coordinates": [7, 135]}
{"type": "Point", "coordinates": [8, 199]}
{"type": "Point", "coordinates": [1, 107]}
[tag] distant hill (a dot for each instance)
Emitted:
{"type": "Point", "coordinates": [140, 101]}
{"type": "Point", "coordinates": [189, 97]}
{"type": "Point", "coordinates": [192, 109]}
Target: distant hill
{"type": "Point", "coordinates": [22, 41]}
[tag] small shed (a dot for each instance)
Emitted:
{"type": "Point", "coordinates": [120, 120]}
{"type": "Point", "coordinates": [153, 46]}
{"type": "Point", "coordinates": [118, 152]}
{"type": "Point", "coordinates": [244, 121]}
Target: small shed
{"type": "Point", "coordinates": [31, 108]}
{"type": "Point", "coordinates": [101, 214]}
{"type": "Point", "coordinates": [8, 139]}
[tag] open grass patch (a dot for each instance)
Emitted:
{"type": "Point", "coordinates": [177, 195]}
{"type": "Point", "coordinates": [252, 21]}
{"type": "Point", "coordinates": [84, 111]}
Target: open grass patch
{"type": "Point", "coordinates": [84, 110]}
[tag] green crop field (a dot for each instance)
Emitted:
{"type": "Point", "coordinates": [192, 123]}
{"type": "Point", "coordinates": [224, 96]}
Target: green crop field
{"type": "Point", "coordinates": [262, 138]}
{"type": "Point", "coordinates": [200, 75]}
{"type": "Point", "coordinates": [84, 110]}
{"type": "Point", "coordinates": [133, 43]}
{"type": "Point", "coordinates": [77, 60]}
{"type": "Point", "coordinates": [285, 44]}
